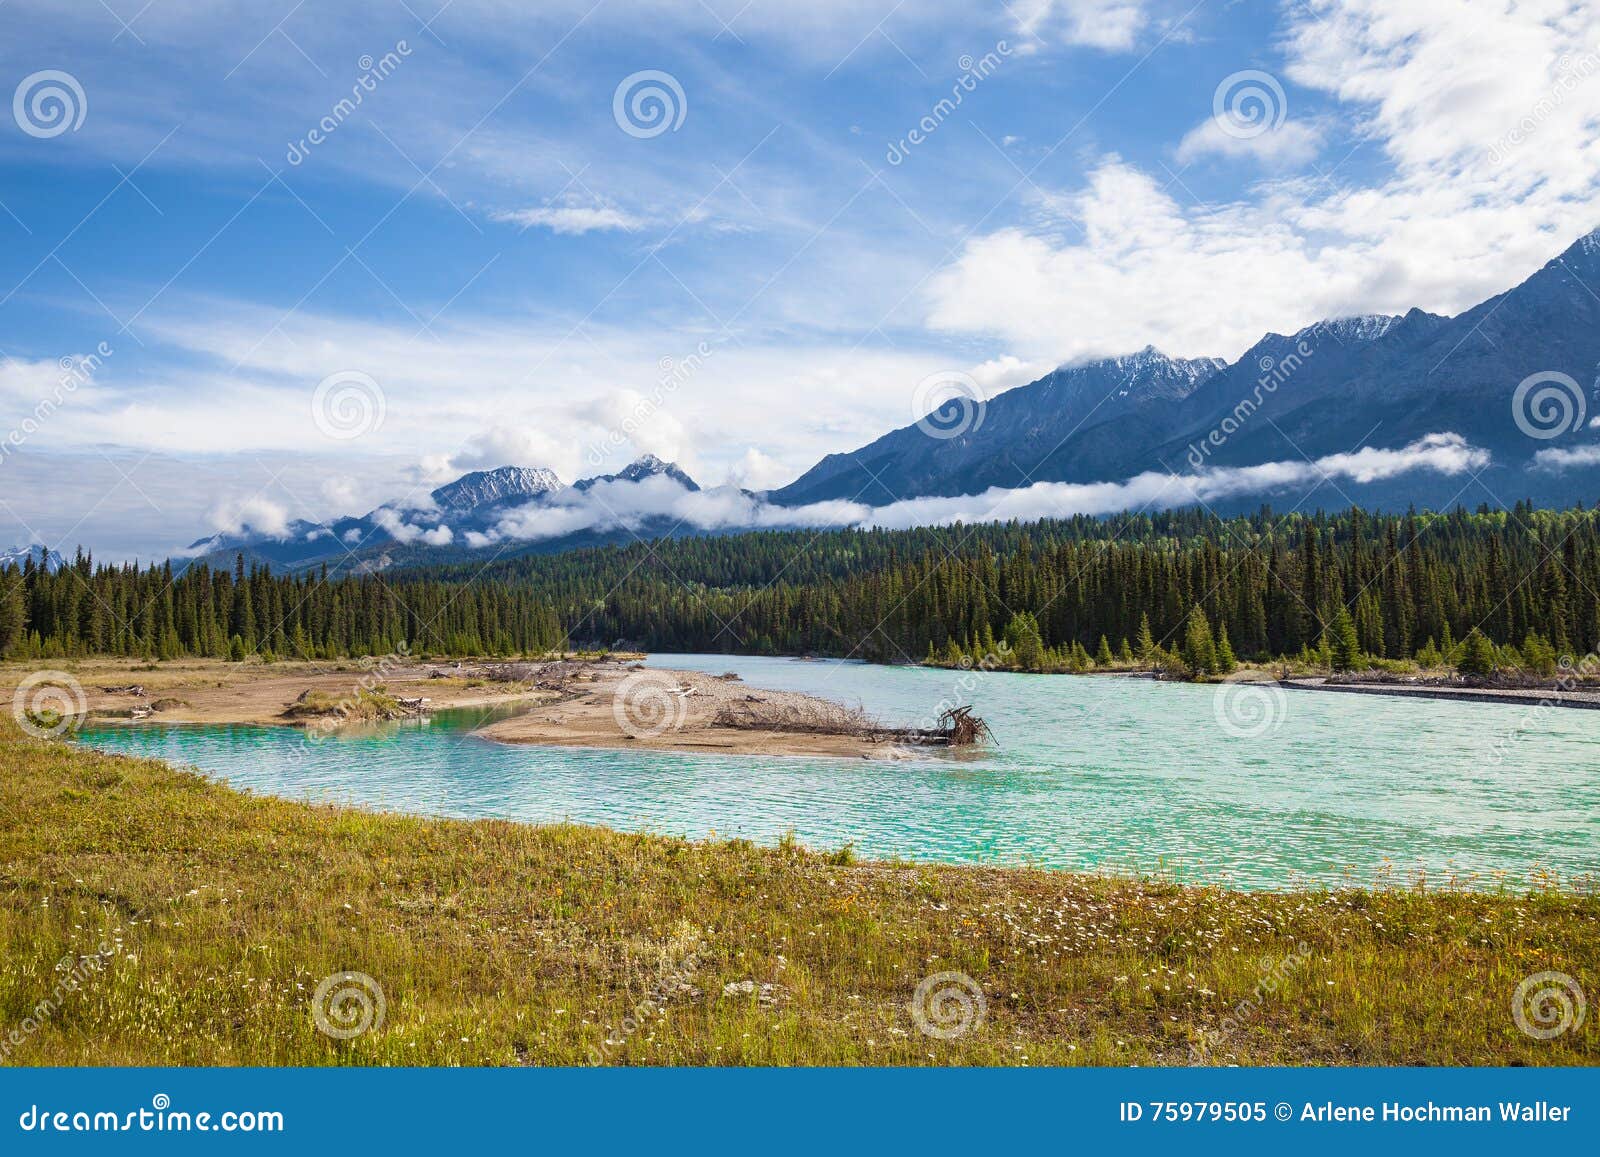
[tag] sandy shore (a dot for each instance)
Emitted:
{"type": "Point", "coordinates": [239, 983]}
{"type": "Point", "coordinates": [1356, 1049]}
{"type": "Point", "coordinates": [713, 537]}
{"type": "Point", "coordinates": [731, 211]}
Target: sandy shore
{"type": "Point", "coordinates": [666, 710]}
{"type": "Point", "coordinates": [608, 704]}
{"type": "Point", "coordinates": [214, 691]}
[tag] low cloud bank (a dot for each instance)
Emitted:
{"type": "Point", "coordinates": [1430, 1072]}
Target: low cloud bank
{"type": "Point", "coordinates": [1556, 460]}
{"type": "Point", "coordinates": [634, 506]}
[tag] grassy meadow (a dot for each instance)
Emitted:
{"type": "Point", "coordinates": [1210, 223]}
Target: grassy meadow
{"type": "Point", "coordinates": [180, 922]}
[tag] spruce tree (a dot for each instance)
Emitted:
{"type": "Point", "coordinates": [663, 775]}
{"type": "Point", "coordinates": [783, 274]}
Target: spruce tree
{"type": "Point", "coordinates": [1477, 655]}
{"type": "Point", "coordinates": [1227, 662]}
{"type": "Point", "coordinates": [1199, 646]}
{"type": "Point", "coordinates": [1145, 648]}
{"type": "Point", "coordinates": [1345, 646]}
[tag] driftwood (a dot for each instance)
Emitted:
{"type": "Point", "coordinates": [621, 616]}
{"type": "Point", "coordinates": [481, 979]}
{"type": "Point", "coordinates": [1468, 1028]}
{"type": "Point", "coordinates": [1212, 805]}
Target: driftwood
{"type": "Point", "coordinates": [963, 727]}
{"type": "Point", "coordinates": [128, 688]}
{"type": "Point", "coordinates": [956, 727]}
{"type": "Point", "coordinates": [514, 672]}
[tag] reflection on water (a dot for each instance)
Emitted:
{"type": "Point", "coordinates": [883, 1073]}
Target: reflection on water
{"type": "Point", "coordinates": [1091, 773]}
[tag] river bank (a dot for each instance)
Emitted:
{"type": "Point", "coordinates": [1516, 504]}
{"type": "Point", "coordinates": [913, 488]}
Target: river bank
{"type": "Point", "coordinates": [608, 702]}
{"type": "Point", "coordinates": [1530, 697]}
{"type": "Point", "coordinates": [190, 923]}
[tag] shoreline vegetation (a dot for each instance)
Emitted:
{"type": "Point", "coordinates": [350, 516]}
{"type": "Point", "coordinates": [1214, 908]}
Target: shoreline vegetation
{"type": "Point", "coordinates": [151, 916]}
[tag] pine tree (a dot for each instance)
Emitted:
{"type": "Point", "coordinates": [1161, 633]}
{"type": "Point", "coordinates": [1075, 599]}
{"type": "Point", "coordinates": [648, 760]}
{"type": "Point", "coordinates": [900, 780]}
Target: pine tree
{"type": "Point", "coordinates": [1145, 648]}
{"type": "Point", "coordinates": [1102, 654]}
{"type": "Point", "coordinates": [1227, 662]}
{"type": "Point", "coordinates": [1477, 655]}
{"type": "Point", "coordinates": [1344, 645]}
{"type": "Point", "coordinates": [1199, 645]}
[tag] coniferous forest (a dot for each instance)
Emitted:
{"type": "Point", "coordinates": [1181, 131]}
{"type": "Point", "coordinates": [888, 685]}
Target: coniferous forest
{"type": "Point", "coordinates": [1471, 588]}
{"type": "Point", "coordinates": [163, 613]}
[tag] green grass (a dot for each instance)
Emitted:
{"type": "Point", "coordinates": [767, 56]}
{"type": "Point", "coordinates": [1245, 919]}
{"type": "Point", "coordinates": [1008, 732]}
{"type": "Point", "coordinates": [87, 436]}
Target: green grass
{"type": "Point", "coordinates": [365, 705]}
{"type": "Point", "coordinates": [498, 943]}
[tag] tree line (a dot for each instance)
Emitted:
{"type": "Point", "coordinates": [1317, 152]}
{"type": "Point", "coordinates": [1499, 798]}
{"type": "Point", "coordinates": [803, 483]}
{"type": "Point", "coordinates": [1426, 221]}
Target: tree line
{"type": "Point", "coordinates": [1339, 588]}
{"type": "Point", "coordinates": [1069, 592]}
{"type": "Point", "coordinates": [162, 612]}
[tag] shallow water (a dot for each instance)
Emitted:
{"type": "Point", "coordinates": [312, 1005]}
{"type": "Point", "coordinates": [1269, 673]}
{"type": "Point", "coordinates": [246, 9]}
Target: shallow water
{"type": "Point", "coordinates": [1286, 788]}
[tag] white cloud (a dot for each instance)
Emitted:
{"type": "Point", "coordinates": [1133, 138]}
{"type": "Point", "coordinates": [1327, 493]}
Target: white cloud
{"type": "Point", "coordinates": [572, 219]}
{"type": "Point", "coordinates": [1445, 454]}
{"type": "Point", "coordinates": [1003, 373]}
{"type": "Point", "coordinates": [1107, 24]}
{"type": "Point", "coordinates": [504, 445]}
{"type": "Point", "coordinates": [1484, 116]}
{"type": "Point", "coordinates": [631, 505]}
{"type": "Point", "coordinates": [339, 491]}
{"type": "Point", "coordinates": [758, 471]}
{"type": "Point", "coordinates": [477, 394]}
{"type": "Point", "coordinates": [1558, 459]}
{"type": "Point", "coordinates": [406, 533]}
{"type": "Point", "coordinates": [256, 513]}
{"type": "Point", "coordinates": [1291, 144]}
{"type": "Point", "coordinates": [642, 422]}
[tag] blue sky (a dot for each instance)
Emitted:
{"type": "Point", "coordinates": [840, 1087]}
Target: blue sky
{"type": "Point", "coordinates": [493, 253]}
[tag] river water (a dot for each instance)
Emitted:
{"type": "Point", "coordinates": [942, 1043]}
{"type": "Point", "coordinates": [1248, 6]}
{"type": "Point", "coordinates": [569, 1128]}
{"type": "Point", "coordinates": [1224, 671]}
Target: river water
{"type": "Point", "coordinates": [1249, 786]}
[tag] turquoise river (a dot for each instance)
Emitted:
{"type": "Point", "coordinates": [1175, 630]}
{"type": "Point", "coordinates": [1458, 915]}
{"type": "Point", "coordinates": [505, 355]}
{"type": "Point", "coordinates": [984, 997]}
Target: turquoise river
{"type": "Point", "coordinates": [1262, 789]}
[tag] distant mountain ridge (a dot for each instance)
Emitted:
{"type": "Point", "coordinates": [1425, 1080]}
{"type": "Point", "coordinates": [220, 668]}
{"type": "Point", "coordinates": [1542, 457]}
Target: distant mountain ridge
{"type": "Point", "coordinates": [50, 560]}
{"type": "Point", "coordinates": [502, 484]}
{"type": "Point", "coordinates": [648, 466]}
{"type": "Point", "coordinates": [473, 504]}
{"type": "Point", "coordinates": [1018, 429]}
{"type": "Point", "coordinates": [1333, 388]}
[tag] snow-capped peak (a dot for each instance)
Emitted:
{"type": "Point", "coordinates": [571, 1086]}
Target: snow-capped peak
{"type": "Point", "coordinates": [484, 487]}
{"type": "Point", "coordinates": [1362, 327]}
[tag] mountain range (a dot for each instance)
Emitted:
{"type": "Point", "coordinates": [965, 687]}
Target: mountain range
{"type": "Point", "coordinates": [1333, 388]}
{"type": "Point", "coordinates": [50, 560]}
